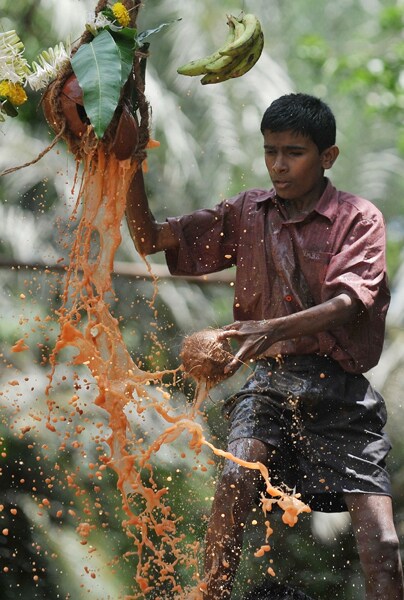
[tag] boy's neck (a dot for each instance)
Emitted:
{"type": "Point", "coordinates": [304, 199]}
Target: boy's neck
{"type": "Point", "coordinates": [301, 207]}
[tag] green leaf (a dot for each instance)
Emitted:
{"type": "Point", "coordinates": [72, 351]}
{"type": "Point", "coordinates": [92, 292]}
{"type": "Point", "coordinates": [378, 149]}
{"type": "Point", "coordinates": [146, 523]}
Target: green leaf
{"type": "Point", "coordinates": [126, 46]}
{"type": "Point", "coordinates": [127, 32]}
{"type": "Point", "coordinates": [145, 34]}
{"type": "Point", "coordinates": [98, 69]}
{"type": "Point", "coordinates": [108, 13]}
{"type": "Point", "coordinates": [8, 108]}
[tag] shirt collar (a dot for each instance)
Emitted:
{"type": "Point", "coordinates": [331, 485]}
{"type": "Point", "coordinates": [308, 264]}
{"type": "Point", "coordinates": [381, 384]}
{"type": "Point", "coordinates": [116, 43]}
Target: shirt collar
{"type": "Point", "coordinates": [326, 205]}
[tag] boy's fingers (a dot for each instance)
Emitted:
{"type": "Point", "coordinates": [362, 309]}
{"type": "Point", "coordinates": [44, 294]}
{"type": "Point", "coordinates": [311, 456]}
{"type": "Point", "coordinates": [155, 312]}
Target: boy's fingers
{"type": "Point", "coordinates": [227, 333]}
{"type": "Point", "coordinates": [233, 325]}
{"type": "Point", "coordinates": [234, 364]}
{"type": "Point", "coordinates": [232, 367]}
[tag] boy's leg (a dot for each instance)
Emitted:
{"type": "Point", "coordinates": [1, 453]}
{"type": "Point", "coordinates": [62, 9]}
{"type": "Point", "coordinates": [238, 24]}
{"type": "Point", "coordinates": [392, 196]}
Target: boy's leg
{"type": "Point", "coordinates": [378, 547]}
{"type": "Point", "coordinates": [233, 500]}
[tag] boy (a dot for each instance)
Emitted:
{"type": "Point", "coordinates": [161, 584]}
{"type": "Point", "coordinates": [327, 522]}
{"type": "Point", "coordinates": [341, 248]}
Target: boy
{"type": "Point", "coordinates": [310, 303]}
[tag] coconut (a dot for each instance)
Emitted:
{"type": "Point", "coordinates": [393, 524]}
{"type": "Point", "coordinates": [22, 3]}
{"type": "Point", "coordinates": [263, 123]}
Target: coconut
{"type": "Point", "coordinates": [204, 356]}
{"type": "Point", "coordinates": [67, 104]}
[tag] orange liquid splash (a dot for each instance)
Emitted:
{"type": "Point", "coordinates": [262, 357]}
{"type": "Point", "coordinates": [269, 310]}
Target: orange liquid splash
{"type": "Point", "coordinates": [87, 325]}
{"type": "Point", "coordinates": [19, 346]}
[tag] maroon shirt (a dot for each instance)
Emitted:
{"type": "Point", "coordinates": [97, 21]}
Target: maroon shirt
{"type": "Point", "coordinates": [286, 265]}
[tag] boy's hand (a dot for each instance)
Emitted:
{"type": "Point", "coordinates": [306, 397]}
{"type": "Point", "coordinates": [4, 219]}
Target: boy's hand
{"type": "Point", "coordinates": [253, 337]}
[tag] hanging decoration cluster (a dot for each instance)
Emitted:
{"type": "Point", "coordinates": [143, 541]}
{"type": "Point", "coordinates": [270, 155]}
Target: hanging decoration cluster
{"type": "Point", "coordinates": [101, 66]}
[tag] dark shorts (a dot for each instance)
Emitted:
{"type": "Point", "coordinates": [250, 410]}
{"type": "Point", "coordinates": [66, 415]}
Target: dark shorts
{"type": "Point", "coordinates": [326, 426]}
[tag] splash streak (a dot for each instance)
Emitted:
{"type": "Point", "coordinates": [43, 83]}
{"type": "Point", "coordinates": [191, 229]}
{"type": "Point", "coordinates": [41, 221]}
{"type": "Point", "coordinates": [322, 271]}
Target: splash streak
{"type": "Point", "coordinates": [87, 325]}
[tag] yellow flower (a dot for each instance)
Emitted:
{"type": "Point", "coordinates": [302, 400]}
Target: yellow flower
{"type": "Point", "coordinates": [121, 14]}
{"type": "Point", "coordinates": [14, 92]}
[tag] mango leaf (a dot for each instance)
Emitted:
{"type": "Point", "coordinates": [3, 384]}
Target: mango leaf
{"type": "Point", "coordinates": [98, 69]}
{"type": "Point", "coordinates": [145, 34]}
{"type": "Point", "coordinates": [126, 46]}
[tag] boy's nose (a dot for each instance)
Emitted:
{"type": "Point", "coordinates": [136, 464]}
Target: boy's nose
{"type": "Point", "coordinates": [279, 165]}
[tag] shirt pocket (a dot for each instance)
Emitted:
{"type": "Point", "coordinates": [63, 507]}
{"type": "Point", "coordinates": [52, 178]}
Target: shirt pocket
{"type": "Point", "coordinates": [314, 264]}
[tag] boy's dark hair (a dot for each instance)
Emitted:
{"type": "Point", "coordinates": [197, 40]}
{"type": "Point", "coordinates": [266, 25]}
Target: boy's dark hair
{"type": "Point", "coordinates": [304, 114]}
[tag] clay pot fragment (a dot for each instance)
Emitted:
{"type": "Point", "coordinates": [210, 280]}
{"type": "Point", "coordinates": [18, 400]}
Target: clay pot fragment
{"type": "Point", "coordinates": [71, 101]}
{"type": "Point", "coordinates": [123, 142]}
{"type": "Point", "coordinates": [49, 109]}
{"type": "Point", "coordinates": [126, 136]}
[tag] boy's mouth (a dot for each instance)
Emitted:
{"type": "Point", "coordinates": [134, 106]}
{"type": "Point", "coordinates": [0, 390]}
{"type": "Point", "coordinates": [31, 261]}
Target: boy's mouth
{"type": "Point", "coordinates": [281, 184]}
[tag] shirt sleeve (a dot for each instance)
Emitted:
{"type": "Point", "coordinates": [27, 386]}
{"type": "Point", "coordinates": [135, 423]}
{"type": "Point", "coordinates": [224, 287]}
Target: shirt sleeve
{"type": "Point", "coordinates": [359, 268]}
{"type": "Point", "coordinates": [208, 239]}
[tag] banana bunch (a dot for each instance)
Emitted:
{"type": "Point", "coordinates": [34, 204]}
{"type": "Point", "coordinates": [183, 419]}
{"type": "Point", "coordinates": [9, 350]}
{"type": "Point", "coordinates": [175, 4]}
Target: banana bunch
{"type": "Point", "coordinates": [239, 53]}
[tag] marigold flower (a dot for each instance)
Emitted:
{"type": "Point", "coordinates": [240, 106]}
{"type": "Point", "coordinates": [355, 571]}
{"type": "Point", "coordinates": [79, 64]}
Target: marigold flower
{"type": "Point", "coordinates": [121, 14]}
{"type": "Point", "coordinates": [14, 92]}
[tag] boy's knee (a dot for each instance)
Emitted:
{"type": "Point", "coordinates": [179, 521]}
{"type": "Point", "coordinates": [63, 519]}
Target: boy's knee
{"type": "Point", "coordinates": [381, 554]}
{"type": "Point", "coordinates": [239, 479]}
{"type": "Point", "coordinates": [230, 486]}
{"type": "Point", "coordinates": [389, 552]}
{"type": "Point", "coordinates": [236, 493]}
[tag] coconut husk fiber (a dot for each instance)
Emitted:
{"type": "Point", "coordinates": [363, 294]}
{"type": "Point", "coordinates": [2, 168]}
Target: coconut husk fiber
{"type": "Point", "coordinates": [204, 356]}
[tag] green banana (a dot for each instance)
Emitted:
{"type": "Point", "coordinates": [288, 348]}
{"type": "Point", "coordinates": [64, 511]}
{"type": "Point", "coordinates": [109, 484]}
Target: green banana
{"type": "Point", "coordinates": [239, 30]}
{"type": "Point", "coordinates": [224, 60]}
{"type": "Point", "coordinates": [249, 59]}
{"type": "Point", "coordinates": [238, 54]}
{"type": "Point", "coordinates": [214, 78]}
{"type": "Point", "coordinates": [222, 75]}
{"type": "Point", "coordinates": [198, 66]}
{"type": "Point", "coordinates": [220, 63]}
{"type": "Point", "coordinates": [252, 28]}
{"type": "Point", "coordinates": [241, 64]}
{"type": "Point", "coordinates": [228, 63]}
{"type": "Point", "coordinates": [239, 27]}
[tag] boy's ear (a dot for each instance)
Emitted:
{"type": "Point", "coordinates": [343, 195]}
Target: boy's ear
{"type": "Point", "coordinates": [329, 156]}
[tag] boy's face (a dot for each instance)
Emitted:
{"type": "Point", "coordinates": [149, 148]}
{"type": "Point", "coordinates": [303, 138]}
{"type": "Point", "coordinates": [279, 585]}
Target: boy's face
{"type": "Point", "coordinates": [295, 165]}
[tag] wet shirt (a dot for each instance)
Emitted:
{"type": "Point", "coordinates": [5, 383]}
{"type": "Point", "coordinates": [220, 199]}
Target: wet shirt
{"type": "Point", "coordinates": [286, 265]}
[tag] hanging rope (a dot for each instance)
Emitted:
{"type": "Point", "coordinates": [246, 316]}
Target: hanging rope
{"type": "Point", "coordinates": [38, 158]}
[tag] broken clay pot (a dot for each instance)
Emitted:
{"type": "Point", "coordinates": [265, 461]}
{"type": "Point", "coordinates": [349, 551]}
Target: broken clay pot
{"type": "Point", "coordinates": [124, 141]}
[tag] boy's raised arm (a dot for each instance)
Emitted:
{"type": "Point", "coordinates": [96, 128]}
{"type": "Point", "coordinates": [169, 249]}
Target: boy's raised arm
{"type": "Point", "coordinates": [148, 235]}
